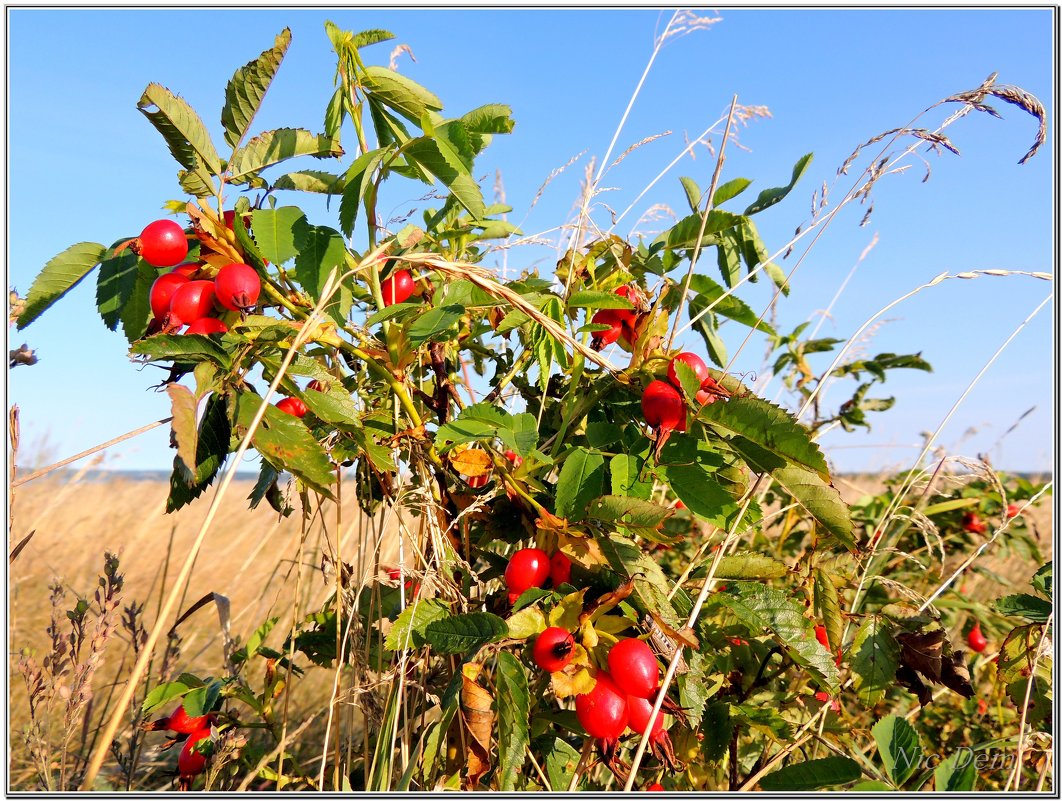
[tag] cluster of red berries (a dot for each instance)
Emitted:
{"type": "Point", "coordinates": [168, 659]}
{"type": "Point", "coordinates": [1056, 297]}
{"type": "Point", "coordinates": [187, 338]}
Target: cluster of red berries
{"type": "Point", "coordinates": [533, 567]}
{"type": "Point", "coordinates": [180, 297]}
{"type": "Point", "coordinates": [192, 760]}
{"type": "Point", "coordinates": [621, 323]}
{"type": "Point", "coordinates": [662, 403]}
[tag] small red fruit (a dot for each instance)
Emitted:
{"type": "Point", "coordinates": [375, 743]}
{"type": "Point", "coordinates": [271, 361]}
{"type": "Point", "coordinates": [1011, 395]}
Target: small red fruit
{"type": "Point", "coordinates": [1013, 510]}
{"type": "Point", "coordinates": [975, 639]}
{"type": "Point", "coordinates": [162, 292]}
{"type": "Point", "coordinates": [655, 787]}
{"type": "Point", "coordinates": [972, 522]}
{"type": "Point", "coordinates": [162, 244]}
{"type": "Point", "coordinates": [527, 568]}
{"type": "Point", "coordinates": [188, 269]}
{"type": "Point", "coordinates": [230, 216]}
{"type": "Point", "coordinates": [514, 457]}
{"type": "Point", "coordinates": [179, 723]}
{"type": "Point", "coordinates": [663, 408]}
{"type": "Point", "coordinates": [553, 649]}
{"type": "Point", "coordinates": [560, 569]}
{"type": "Point", "coordinates": [317, 386]}
{"type": "Point", "coordinates": [237, 286]}
{"type": "Point", "coordinates": [692, 360]}
{"type": "Point", "coordinates": [820, 635]}
{"type": "Point", "coordinates": [292, 406]}
{"type": "Point", "coordinates": [638, 712]}
{"type": "Point", "coordinates": [191, 762]}
{"type": "Point", "coordinates": [634, 668]}
{"type": "Point", "coordinates": [982, 706]}
{"type": "Point", "coordinates": [206, 325]}
{"type": "Point", "coordinates": [477, 481]}
{"type": "Point", "coordinates": [397, 287]}
{"type": "Point", "coordinates": [603, 710]}
{"type": "Point", "coordinates": [192, 300]}
{"type": "Point", "coordinates": [609, 317]}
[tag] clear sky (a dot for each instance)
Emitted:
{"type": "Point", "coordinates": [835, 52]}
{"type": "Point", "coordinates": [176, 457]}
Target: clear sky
{"type": "Point", "coordinates": [84, 165]}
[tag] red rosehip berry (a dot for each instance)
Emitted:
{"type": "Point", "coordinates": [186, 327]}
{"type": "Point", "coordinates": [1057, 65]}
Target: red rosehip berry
{"type": "Point", "coordinates": [230, 216]}
{"type": "Point", "coordinates": [975, 639]}
{"type": "Point", "coordinates": [972, 523]}
{"type": "Point", "coordinates": [191, 761]}
{"type": "Point", "coordinates": [397, 287]}
{"type": "Point", "coordinates": [237, 287]}
{"type": "Point", "coordinates": [292, 406]}
{"type": "Point", "coordinates": [663, 408]}
{"type": "Point", "coordinates": [611, 318]}
{"type": "Point", "coordinates": [1013, 510]}
{"type": "Point", "coordinates": [162, 292]}
{"type": "Point", "coordinates": [603, 710]}
{"type": "Point", "coordinates": [515, 458]}
{"type": "Point", "coordinates": [553, 649]}
{"type": "Point", "coordinates": [560, 569]}
{"type": "Point", "coordinates": [206, 325]}
{"type": "Point", "coordinates": [317, 386]}
{"type": "Point", "coordinates": [476, 481]}
{"type": "Point", "coordinates": [655, 787]}
{"type": "Point", "coordinates": [180, 723]}
{"type": "Point", "coordinates": [638, 712]}
{"type": "Point", "coordinates": [820, 635]}
{"type": "Point", "coordinates": [192, 300]}
{"type": "Point", "coordinates": [162, 244]}
{"type": "Point", "coordinates": [692, 360]}
{"type": "Point", "coordinates": [527, 568]}
{"type": "Point", "coordinates": [188, 269]}
{"type": "Point", "coordinates": [634, 668]}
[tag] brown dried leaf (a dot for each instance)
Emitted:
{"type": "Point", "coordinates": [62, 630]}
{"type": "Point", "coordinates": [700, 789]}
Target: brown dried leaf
{"type": "Point", "coordinates": [921, 651]}
{"type": "Point", "coordinates": [478, 720]}
{"type": "Point", "coordinates": [606, 602]}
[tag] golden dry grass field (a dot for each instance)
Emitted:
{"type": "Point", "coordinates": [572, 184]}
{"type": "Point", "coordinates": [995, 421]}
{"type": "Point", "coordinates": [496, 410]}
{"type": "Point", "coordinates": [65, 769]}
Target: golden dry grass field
{"type": "Point", "coordinates": [254, 559]}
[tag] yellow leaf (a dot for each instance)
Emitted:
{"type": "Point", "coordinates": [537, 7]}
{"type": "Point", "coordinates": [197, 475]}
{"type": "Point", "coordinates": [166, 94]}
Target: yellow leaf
{"type": "Point", "coordinates": [526, 623]}
{"type": "Point", "coordinates": [471, 462]}
{"type": "Point", "coordinates": [577, 682]}
{"type": "Point", "coordinates": [566, 613]}
{"type": "Point", "coordinates": [612, 624]}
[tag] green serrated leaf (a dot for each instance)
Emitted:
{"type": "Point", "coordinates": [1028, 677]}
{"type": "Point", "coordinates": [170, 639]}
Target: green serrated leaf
{"type": "Point", "coordinates": [760, 607]}
{"type": "Point", "coordinates": [190, 479]}
{"type": "Point", "coordinates": [683, 234]}
{"type": "Point", "coordinates": [319, 251]}
{"type": "Point", "coordinates": [730, 189]}
{"type": "Point", "coordinates": [408, 629]}
{"type": "Point", "coordinates": [747, 566]}
{"type": "Point", "coordinates": [185, 431]}
{"type": "Point", "coordinates": [593, 299]}
{"type": "Point", "coordinates": [731, 306]}
{"type": "Point", "coordinates": [957, 773]}
{"type": "Point", "coordinates": [768, 197]}
{"type": "Point", "coordinates": [898, 747]}
{"type": "Point", "coordinates": [698, 685]}
{"type": "Point", "coordinates": [274, 232]}
{"type": "Point", "coordinates": [317, 181]}
{"type": "Point", "coordinates": [286, 442]}
{"type": "Point", "coordinates": [629, 512]}
{"type": "Point", "coordinates": [183, 130]}
{"type": "Point", "coordinates": [625, 471]}
{"type": "Point", "coordinates": [398, 92]}
{"type": "Point", "coordinates": [137, 310]}
{"type": "Point", "coordinates": [247, 87]}
{"type": "Point", "coordinates": [493, 118]}
{"type": "Point", "coordinates": [651, 587]}
{"type": "Point", "coordinates": [812, 775]}
{"type": "Point", "coordinates": [1030, 607]}
{"type": "Point", "coordinates": [163, 694]}
{"type": "Point", "coordinates": [581, 480]}
{"type": "Point", "coordinates": [874, 657]}
{"type": "Point", "coordinates": [114, 286]}
{"type": "Point", "coordinates": [201, 700]}
{"type": "Point", "coordinates": [356, 183]}
{"type": "Point", "coordinates": [182, 347]}
{"type": "Point", "coordinates": [434, 324]}
{"type": "Point", "coordinates": [437, 158]}
{"type": "Point", "coordinates": [828, 606]}
{"type": "Point", "coordinates": [693, 193]}
{"type": "Point", "coordinates": [561, 762]}
{"type": "Point", "coordinates": [464, 634]}
{"type": "Point", "coordinates": [514, 711]}
{"type": "Point", "coordinates": [61, 274]}
{"type": "Point", "coordinates": [273, 147]}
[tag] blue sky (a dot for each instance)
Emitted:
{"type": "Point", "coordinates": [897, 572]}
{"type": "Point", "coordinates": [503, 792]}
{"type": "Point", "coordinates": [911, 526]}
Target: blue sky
{"type": "Point", "coordinates": [84, 165]}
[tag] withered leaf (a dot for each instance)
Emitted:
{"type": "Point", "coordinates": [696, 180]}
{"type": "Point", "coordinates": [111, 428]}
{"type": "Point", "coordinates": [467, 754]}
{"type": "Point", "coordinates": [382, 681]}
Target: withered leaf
{"type": "Point", "coordinates": [955, 675]}
{"type": "Point", "coordinates": [921, 651]}
{"type": "Point", "coordinates": [478, 720]}
{"type": "Point", "coordinates": [909, 678]}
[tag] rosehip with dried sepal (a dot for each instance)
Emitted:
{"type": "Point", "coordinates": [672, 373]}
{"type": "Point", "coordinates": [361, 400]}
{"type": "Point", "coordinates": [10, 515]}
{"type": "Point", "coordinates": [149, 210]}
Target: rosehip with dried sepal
{"type": "Point", "coordinates": [237, 287]}
{"type": "Point", "coordinates": [553, 649]}
{"type": "Point", "coordinates": [161, 244]}
{"type": "Point", "coordinates": [972, 523]}
{"type": "Point", "coordinates": [1013, 510]}
{"type": "Point", "coordinates": [976, 639]}
{"type": "Point", "coordinates": [192, 760]}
